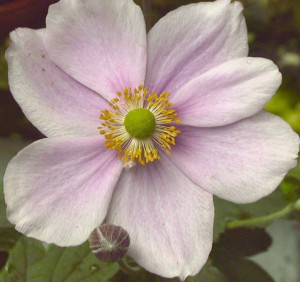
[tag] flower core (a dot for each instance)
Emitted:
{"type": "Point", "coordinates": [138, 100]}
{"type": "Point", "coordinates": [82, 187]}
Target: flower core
{"type": "Point", "coordinates": [138, 124]}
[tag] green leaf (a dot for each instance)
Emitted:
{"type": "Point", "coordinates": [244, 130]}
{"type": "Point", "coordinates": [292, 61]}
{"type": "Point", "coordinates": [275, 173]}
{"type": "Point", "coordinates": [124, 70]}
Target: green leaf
{"type": "Point", "coordinates": [295, 172]}
{"type": "Point", "coordinates": [3, 258]}
{"type": "Point", "coordinates": [282, 102]}
{"type": "Point", "coordinates": [208, 273]}
{"type": "Point", "coordinates": [30, 260]}
{"type": "Point", "coordinates": [3, 66]}
{"type": "Point", "coordinates": [8, 235]}
{"type": "Point", "coordinates": [143, 276]}
{"type": "Point", "coordinates": [226, 211]}
{"type": "Point", "coordinates": [290, 188]}
{"type": "Point", "coordinates": [8, 238]}
{"type": "Point", "coordinates": [270, 204]}
{"type": "Point", "coordinates": [25, 253]}
{"type": "Point", "coordinates": [8, 149]}
{"type": "Point", "coordinates": [3, 221]}
{"type": "Point", "coordinates": [285, 103]}
{"type": "Point", "coordinates": [243, 270]}
{"type": "Point", "coordinates": [242, 242]}
{"type": "Point", "coordinates": [229, 253]}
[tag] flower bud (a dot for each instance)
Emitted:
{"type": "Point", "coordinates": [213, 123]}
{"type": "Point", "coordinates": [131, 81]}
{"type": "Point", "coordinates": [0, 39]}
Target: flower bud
{"type": "Point", "coordinates": [109, 242]}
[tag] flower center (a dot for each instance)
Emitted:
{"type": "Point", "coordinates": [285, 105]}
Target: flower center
{"type": "Point", "coordinates": [139, 123]}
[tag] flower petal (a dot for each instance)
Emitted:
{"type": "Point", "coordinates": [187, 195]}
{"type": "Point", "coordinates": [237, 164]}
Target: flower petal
{"type": "Point", "coordinates": [102, 44]}
{"type": "Point", "coordinates": [193, 39]}
{"type": "Point", "coordinates": [227, 93]}
{"type": "Point", "coordinates": [58, 190]}
{"type": "Point", "coordinates": [54, 102]}
{"type": "Point", "coordinates": [241, 162]}
{"type": "Point", "coordinates": [169, 219]}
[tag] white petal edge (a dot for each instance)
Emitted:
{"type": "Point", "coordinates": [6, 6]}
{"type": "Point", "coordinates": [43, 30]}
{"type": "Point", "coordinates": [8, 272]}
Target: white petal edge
{"type": "Point", "coordinates": [102, 44]}
{"type": "Point", "coordinates": [169, 219]}
{"type": "Point", "coordinates": [241, 162]}
{"type": "Point", "coordinates": [193, 39]}
{"type": "Point", "coordinates": [58, 190]}
{"type": "Point", "coordinates": [54, 102]}
{"type": "Point", "coordinates": [227, 93]}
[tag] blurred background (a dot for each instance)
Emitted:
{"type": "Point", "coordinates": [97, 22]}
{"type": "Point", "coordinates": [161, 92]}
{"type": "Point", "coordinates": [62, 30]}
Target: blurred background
{"type": "Point", "coordinates": [268, 251]}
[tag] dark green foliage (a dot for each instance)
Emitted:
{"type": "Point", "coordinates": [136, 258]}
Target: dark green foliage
{"type": "Point", "coordinates": [31, 260]}
{"type": "Point", "coordinates": [230, 252]}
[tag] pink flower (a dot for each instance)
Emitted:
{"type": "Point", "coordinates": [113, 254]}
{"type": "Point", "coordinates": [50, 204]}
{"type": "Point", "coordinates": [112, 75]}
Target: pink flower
{"type": "Point", "coordinates": [60, 188]}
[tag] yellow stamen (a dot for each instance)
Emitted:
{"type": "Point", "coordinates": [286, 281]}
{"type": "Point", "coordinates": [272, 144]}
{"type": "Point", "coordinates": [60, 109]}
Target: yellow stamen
{"type": "Point", "coordinates": [132, 149]}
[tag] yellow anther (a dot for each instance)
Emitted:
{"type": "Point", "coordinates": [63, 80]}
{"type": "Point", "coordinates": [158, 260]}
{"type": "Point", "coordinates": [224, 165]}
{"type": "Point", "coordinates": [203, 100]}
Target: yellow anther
{"type": "Point", "coordinates": [131, 149]}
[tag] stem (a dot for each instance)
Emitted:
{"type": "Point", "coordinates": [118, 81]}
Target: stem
{"type": "Point", "coordinates": [263, 219]}
{"type": "Point", "coordinates": [297, 205]}
{"type": "Point", "coordinates": [146, 6]}
{"type": "Point", "coordinates": [128, 269]}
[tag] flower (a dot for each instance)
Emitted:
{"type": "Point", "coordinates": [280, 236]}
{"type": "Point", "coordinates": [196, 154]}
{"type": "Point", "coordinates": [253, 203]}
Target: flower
{"type": "Point", "coordinates": [192, 67]}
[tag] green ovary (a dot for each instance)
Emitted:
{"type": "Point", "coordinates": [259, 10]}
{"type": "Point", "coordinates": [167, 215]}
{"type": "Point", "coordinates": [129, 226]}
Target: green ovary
{"type": "Point", "coordinates": [140, 123]}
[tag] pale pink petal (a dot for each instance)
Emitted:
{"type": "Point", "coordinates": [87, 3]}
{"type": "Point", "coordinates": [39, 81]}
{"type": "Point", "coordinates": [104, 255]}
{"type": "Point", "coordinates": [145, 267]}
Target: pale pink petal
{"type": "Point", "coordinates": [58, 189]}
{"type": "Point", "coordinates": [100, 43]}
{"type": "Point", "coordinates": [227, 93]}
{"type": "Point", "coordinates": [193, 39]}
{"type": "Point", "coordinates": [169, 219]}
{"type": "Point", "coordinates": [241, 162]}
{"type": "Point", "coordinates": [54, 102]}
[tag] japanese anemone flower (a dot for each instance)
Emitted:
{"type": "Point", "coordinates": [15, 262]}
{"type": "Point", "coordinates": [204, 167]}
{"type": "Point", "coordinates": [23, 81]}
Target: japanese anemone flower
{"type": "Point", "coordinates": [181, 120]}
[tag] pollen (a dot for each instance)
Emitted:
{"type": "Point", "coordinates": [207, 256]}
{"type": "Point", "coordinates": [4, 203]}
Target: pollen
{"type": "Point", "coordinates": [138, 123]}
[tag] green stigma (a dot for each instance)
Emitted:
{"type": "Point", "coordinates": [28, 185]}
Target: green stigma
{"type": "Point", "coordinates": [140, 123]}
